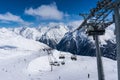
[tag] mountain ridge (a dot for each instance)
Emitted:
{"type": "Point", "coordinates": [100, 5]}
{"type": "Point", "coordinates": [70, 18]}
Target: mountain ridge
{"type": "Point", "coordinates": [60, 37]}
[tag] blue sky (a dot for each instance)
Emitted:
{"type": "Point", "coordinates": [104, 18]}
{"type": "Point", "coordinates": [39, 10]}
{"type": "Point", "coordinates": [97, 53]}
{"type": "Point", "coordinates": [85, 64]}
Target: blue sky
{"type": "Point", "coordinates": [14, 13]}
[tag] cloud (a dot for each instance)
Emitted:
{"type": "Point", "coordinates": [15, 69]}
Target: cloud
{"type": "Point", "coordinates": [9, 17]}
{"type": "Point", "coordinates": [46, 12]}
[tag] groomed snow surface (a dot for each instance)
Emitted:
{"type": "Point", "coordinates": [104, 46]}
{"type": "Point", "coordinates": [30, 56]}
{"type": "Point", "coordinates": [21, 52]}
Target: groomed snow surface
{"type": "Point", "coordinates": [33, 66]}
{"type": "Point", "coordinates": [72, 70]}
{"type": "Point", "coordinates": [25, 59]}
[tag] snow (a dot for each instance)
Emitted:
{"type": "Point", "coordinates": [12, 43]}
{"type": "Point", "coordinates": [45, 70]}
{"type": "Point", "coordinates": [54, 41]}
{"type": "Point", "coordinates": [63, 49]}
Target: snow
{"type": "Point", "coordinates": [39, 64]}
{"type": "Point", "coordinates": [109, 35]}
{"type": "Point", "coordinates": [15, 54]}
{"type": "Point", "coordinates": [25, 59]}
{"type": "Point", "coordinates": [9, 39]}
{"type": "Point", "coordinates": [55, 33]}
{"type": "Point", "coordinates": [72, 70]}
{"type": "Point", "coordinates": [27, 32]}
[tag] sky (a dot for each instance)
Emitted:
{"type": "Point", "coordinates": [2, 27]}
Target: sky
{"type": "Point", "coordinates": [15, 13]}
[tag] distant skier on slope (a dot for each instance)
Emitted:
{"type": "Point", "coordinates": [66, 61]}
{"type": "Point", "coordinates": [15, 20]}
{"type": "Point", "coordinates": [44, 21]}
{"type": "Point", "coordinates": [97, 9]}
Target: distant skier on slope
{"type": "Point", "coordinates": [88, 75]}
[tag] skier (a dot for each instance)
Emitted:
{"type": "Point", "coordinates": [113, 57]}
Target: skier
{"type": "Point", "coordinates": [59, 77]}
{"type": "Point", "coordinates": [88, 75]}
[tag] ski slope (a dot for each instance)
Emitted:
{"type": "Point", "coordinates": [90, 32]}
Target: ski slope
{"type": "Point", "coordinates": [15, 54]}
{"type": "Point", "coordinates": [72, 70]}
{"type": "Point", "coordinates": [25, 59]}
{"type": "Point", "coordinates": [32, 66]}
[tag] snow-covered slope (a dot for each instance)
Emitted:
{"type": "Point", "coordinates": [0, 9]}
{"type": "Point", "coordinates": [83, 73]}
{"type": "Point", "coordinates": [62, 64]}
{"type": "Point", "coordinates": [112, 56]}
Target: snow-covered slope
{"type": "Point", "coordinates": [72, 70]}
{"type": "Point", "coordinates": [9, 39]}
{"type": "Point", "coordinates": [27, 32]}
{"type": "Point", "coordinates": [25, 59]}
{"type": "Point", "coordinates": [79, 43]}
{"type": "Point", "coordinates": [53, 35]}
{"type": "Point", "coordinates": [58, 37]}
{"type": "Point", "coordinates": [50, 35]}
{"type": "Point", "coordinates": [15, 54]}
{"type": "Point", "coordinates": [109, 35]}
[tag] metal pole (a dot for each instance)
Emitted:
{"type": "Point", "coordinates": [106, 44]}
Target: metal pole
{"type": "Point", "coordinates": [117, 32]}
{"type": "Point", "coordinates": [99, 60]}
{"type": "Point", "coordinates": [51, 68]}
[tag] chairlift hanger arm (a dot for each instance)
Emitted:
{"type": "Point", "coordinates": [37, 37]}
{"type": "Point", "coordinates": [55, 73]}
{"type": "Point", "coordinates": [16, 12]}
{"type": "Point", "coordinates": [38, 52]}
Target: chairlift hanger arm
{"type": "Point", "coordinates": [103, 15]}
{"type": "Point", "coordinates": [103, 18]}
{"type": "Point", "coordinates": [108, 24]}
{"type": "Point", "coordinates": [105, 4]}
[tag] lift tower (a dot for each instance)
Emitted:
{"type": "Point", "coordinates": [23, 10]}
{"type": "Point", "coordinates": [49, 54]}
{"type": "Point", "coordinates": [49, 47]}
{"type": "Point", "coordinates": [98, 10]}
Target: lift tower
{"type": "Point", "coordinates": [117, 32]}
{"type": "Point", "coordinates": [99, 15]}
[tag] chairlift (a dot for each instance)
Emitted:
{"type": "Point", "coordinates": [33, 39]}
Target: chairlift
{"type": "Point", "coordinates": [63, 63]}
{"type": "Point", "coordinates": [56, 63]}
{"type": "Point", "coordinates": [43, 49]}
{"type": "Point", "coordinates": [74, 57]}
{"type": "Point", "coordinates": [51, 63]}
{"type": "Point", "coordinates": [108, 1]}
{"type": "Point", "coordinates": [93, 10]}
{"type": "Point", "coordinates": [61, 56]}
{"type": "Point", "coordinates": [98, 4]}
{"type": "Point", "coordinates": [91, 31]}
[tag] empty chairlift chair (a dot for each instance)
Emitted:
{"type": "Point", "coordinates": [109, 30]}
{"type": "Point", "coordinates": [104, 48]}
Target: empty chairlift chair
{"type": "Point", "coordinates": [63, 62]}
{"type": "Point", "coordinates": [56, 63]}
{"type": "Point", "coordinates": [74, 57]}
{"type": "Point", "coordinates": [91, 31]}
{"type": "Point", "coordinates": [51, 63]}
{"type": "Point", "coordinates": [61, 56]}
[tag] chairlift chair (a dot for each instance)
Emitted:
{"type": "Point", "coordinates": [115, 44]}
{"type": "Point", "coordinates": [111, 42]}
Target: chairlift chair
{"type": "Point", "coordinates": [74, 57]}
{"type": "Point", "coordinates": [61, 57]}
{"type": "Point", "coordinates": [96, 32]}
{"type": "Point", "coordinates": [91, 31]}
{"type": "Point", "coordinates": [63, 63]}
{"type": "Point", "coordinates": [56, 63]}
{"type": "Point", "coordinates": [51, 63]}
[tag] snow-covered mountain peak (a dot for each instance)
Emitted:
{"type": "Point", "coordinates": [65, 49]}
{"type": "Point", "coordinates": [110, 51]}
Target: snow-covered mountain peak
{"type": "Point", "coordinates": [109, 35]}
{"type": "Point", "coordinates": [11, 39]}
{"type": "Point", "coordinates": [6, 33]}
{"type": "Point", "coordinates": [53, 35]}
{"type": "Point", "coordinates": [56, 33]}
{"type": "Point", "coordinates": [59, 36]}
{"type": "Point", "coordinates": [27, 32]}
{"type": "Point", "coordinates": [29, 61]}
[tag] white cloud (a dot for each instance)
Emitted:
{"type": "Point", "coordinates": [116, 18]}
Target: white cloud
{"type": "Point", "coordinates": [9, 17]}
{"type": "Point", "coordinates": [46, 12]}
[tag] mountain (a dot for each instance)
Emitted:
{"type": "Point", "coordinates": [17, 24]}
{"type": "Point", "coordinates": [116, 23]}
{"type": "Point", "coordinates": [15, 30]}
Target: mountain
{"type": "Point", "coordinates": [59, 36]}
{"type": "Point", "coordinates": [24, 58]}
{"type": "Point", "coordinates": [50, 35]}
{"type": "Point", "coordinates": [15, 54]}
{"type": "Point", "coordinates": [77, 43]}
{"type": "Point", "coordinates": [9, 39]}
{"type": "Point", "coordinates": [27, 32]}
{"type": "Point", "coordinates": [108, 43]}
{"type": "Point", "coordinates": [53, 35]}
